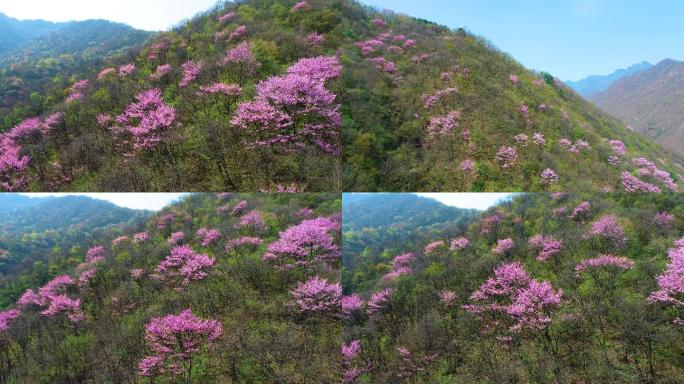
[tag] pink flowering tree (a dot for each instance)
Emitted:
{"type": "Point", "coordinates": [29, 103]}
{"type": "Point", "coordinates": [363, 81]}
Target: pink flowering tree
{"type": "Point", "coordinates": [306, 245]}
{"type": "Point", "coordinates": [52, 299]}
{"type": "Point", "coordinates": [671, 282]}
{"type": "Point", "coordinates": [175, 340]}
{"type": "Point", "coordinates": [512, 298]}
{"type": "Point", "coordinates": [143, 124]}
{"type": "Point", "coordinates": [294, 111]}
{"type": "Point", "coordinates": [253, 223]}
{"type": "Point", "coordinates": [184, 266]}
{"type": "Point", "coordinates": [610, 231]}
{"type": "Point", "coordinates": [317, 296]}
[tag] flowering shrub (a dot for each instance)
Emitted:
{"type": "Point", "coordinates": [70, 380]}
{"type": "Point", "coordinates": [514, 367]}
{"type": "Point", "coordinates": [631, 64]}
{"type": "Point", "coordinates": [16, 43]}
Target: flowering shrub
{"type": "Point", "coordinates": [671, 282]}
{"type": "Point", "coordinates": [441, 126]}
{"type": "Point", "coordinates": [507, 156]}
{"type": "Point", "coordinates": [7, 317]}
{"type": "Point", "coordinates": [126, 70]}
{"type": "Point", "coordinates": [191, 72]}
{"type": "Point", "coordinates": [459, 244]}
{"type": "Point", "coordinates": [378, 300]}
{"type": "Point", "coordinates": [581, 211]}
{"type": "Point", "coordinates": [208, 236]}
{"type": "Point", "coordinates": [242, 242]}
{"type": "Point", "coordinates": [221, 88]}
{"type": "Point", "coordinates": [401, 265]}
{"type": "Point", "coordinates": [161, 71]}
{"type": "Point", "coordinates": [503, 246]}
{"type": "Point", "coordinates": [549, 176]}
{"type": "Point", "coordinates": [350, 305]}
{"type": "Point", "coordinates": [608, 228]}
{"type": "Point", "coordinates": [145, 121]}
{"type": "Point", "coordinates": [604, 261]}
{"type": "Point", "coordinates": [252, 222]}
{"type": "Point", "coordinates": [241, 56]}
{"type": "Point", "coordinates": [317, 296]}
{"type": "Point", "coordinates": [184, 266]}
{"type": "Point", "coordinates": [548, 246]}
{"type": "Point", "coordinates": [513, 293]}
{"type": "Point", "coordinates": [174, 340]}
{"type": "Point", "coordinates": [305, 244]}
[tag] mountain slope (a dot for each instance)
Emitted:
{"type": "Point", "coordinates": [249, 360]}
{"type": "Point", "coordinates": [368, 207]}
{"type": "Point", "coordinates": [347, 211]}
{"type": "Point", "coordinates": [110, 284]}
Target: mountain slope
{"type": "Point", "coordinates": [31, 229]}
{"type": "Point", "coordinates": [14, 32]}
{"type": "Point", "coordinates": [652, 103]}
{"type": "Point", "coordinates": [555, 312]}
{"type": "Point", "coordinates": [116, 285]}
{"type": "Point", "coordinates": [375, 226]}
{"type": "Point", "coordinates": [373, 113]}
{"type": "Point", "coordinates": [592, 86]}
{"type": "Point", "coordinates": [48, 61]}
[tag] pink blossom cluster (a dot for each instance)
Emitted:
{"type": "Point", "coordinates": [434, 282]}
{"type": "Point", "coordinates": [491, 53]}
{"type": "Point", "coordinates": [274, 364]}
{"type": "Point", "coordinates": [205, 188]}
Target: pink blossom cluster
{"type": "Point", "coordinates": [378, 22]}
{"type": "Point", "coordinates": [369, 46]}
{"type": "Point", "coordinates": [503, 246]}
{"type": "Point", "coordinates": [7, 317]}
{"type": "Point", "coordinates": [467, 166]}
{"type": "Point", "coordinates": [648, 168]}
{"type": "Point", "coordinates": [105, 73]}
{"type": "Point", "coordinates": [514, 293]}
{"type": "Point", "coordinates": [459, 244]}
{"type": "Point", "coordinates": [296, 109]}
{"type": "Point", "coordinates": [489, 223]}
{"type": "Point", "coordinates": [581, 211]}
{"type": "Point", "coordinates": [305, 244]}
{"type": "Point", "coordinates": [183, 265]}
{"type": "Point", "coordinates": [245, 241]}
{"type": "Point", "coordinates": [448, 298]}
{"type": "Point", "coordinates": [608, 228]}
{"type": "Point", "coordinates": [379, 300]}
{"type": "Point", "coordinates": [539, 139]}
{"type": "Point", "coordinates": [614, 160]}
{"type": "Point", "coordinates": [618, 146]}
{"type": "Point", "coordinates": [85, 277]}
{"type": "Point", "coordinates": [191, 71]}
{"type": "Point", "coordinates": [351, 304]}
{"type": "Point", "coordinates": [301, 6]}
{"type": "Point", "coordinates": [433, 246]}
{"type": "Point", "coordinates": [227, 17]}
{"type": "Point", "coordinates": [604, 261]}
{"type": "Point", "coordinates": [549, 176]}
{"type": "Point", "coordinates": [161, 71]}
{"type": "Point", "coordinates": [401, 265]}
{"type": "Point", "coordinates": [12, 163]}
{"type": "Point", "coordinates": [220, 88]}
{"type": "Point", "coordinates": [441, 126]}
{"type": "Point", "coordinates": [127, 70]}
{"type": "Point", "coordinates": [239, 207]}
{"type": "Point", "coordinates": [507, 156]}
{"type": "Point", "coordinates": [52, 299]}
{"type": "Point", "coordinates": [317, 296]}
{"type": "Point", "coordinates": [208, 236]}
{"type": "Point", "coordinates": [664, 219]}
{"type": "Point", "coordinates": [383, 64]}
{"type": "Point", "coordinates": [119, 240]}
{"type": "Point", "coordinates": [141, 237]}
{"type": "Point", "coordinates": [238, 33]}
{"type": "Point", "coordinates": [242, 56]}
{"type": "Point", "coordinates": [95, 254]}
{"type": "Point", "coordinates": [351, 351]}
{"type": "Point", "coordinates": [513, 79]}
{"type": "Point", "coordinates": [137, 273]}
{"type": "Point", "coordinates": [315, 39]}
{"type": "Point", "coordinates": [632, 183]}
{"type": "Point", "coordinates": [253, 222]}
{"type": "Point", "coordinates": [671, 281]}
{"type": "Point", "coordinates": [429, 101]}
{"type": "Point", "coordinates": [521, 139]}
{"type": "Point", "coordinates": [145, 120]}
{"type": "Point", "coordinates": [157, 48]}
{"type": "Point", "coordinates": [176, 238]}
{"type": "Point", "coordinates": [548, 246]}
{"type": "Point", "coordinates": [77, 91]}
{"type": "Point", "coordinates": [174, 339]}
{"type": "Point", "coordinates": [165, 220]}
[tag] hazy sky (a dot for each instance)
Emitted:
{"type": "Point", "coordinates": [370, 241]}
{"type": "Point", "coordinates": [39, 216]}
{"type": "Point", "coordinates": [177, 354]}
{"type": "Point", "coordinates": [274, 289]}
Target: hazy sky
{"type": "Point", "coordinates": [149, 201]}
{"type": "Point", "coordinates": [152, 15]}
{"type": "Point", "coordinates": [571, 39]}
{"type": "Point", "coordinates": [479, 201]}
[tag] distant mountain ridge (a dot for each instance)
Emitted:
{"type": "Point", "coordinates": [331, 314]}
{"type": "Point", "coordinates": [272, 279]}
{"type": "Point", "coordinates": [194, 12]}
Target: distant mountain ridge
{"type": "Point", "coordinates": [592, 86]}
{"type": "Point", "coordinates": [13, 32]}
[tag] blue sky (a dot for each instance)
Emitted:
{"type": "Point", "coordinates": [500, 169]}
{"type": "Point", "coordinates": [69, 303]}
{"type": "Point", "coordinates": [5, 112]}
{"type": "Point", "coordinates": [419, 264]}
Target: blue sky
{"type": "Point", "coordinates": [569, 38]}
{"type": "Point", "coordinates": [148, 201]}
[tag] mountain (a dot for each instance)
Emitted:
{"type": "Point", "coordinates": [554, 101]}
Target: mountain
{"type": "Point", "coordinates": [48, 60]}
{"type": "Point", "coordinates": [414, 106]}
{"type": "Point", "coordinates": [546, 288]}
{"type": "Point", "coordinates": [196, 267]}
{"type": "Point", "coordinates": [592, 86]}
{"type": "Point", "coordinates": [14, 32]}
{"type": "Point", "coordinates": [376, 225]}
{"type": "Point", "coordinates": [652, 103]}
{"type": "Point", "coordinates": [32, 228]}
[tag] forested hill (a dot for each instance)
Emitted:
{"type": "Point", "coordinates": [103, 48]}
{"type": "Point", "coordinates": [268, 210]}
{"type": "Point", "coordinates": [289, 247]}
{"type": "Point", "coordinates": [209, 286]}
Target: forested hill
{"type": "Point", "coordinates": [547, 288]}
{"type": "Point", "coordinates": [212, 289]}
{"type": "Point", "coordinates": [37, 229]}
{"type": "Point", "coordinates": [44, 60]}
{"type": "Point", "coordinates": [377, 226]}
{"type": "Point", "coordinates": [407, 105]}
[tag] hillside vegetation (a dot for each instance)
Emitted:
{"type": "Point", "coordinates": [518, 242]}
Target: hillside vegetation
{"type": "Point", "coordinates": [216, 288]}
{"type": "Point", "coordinates": [322, 95]}
{"type": "Point", "coordinates": [556, 288]}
